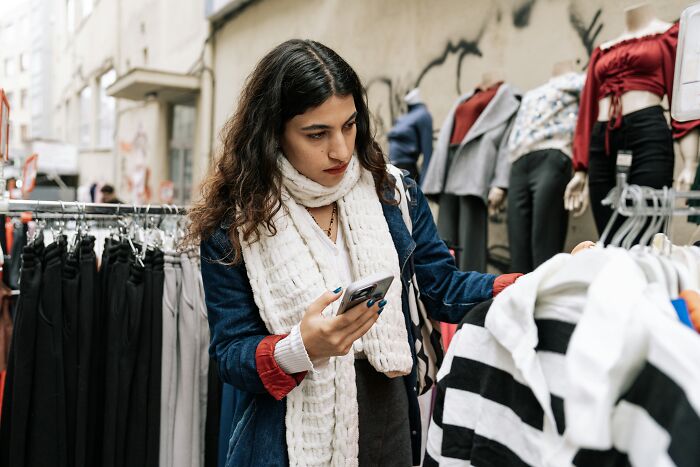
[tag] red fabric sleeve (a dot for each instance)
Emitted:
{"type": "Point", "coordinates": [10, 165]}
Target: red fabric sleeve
{"type": "Point", "coordinates": [587, 116]}
{"type": "Point", "coordinates": [503, 281]}
{"type": "Point", "coordinates": [669, 43]}
{"type": "Point", "coordinates": [276, 381]}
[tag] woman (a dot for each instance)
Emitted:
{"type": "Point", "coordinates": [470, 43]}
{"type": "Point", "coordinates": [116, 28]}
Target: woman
{"type": "Point", "coordinates": [298, 206]}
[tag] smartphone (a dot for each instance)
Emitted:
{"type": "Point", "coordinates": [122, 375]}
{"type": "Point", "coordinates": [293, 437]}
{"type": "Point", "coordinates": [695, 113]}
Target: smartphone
{"type": "Point", "coordinates": [373, 287]}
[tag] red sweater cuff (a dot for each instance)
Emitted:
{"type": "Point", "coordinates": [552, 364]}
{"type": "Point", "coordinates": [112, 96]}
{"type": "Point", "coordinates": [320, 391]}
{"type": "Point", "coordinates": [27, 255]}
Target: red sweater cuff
{"type": "Point", "coordinates": [503, 281]}
{"type": "Point", "coordinates": [276, 381]}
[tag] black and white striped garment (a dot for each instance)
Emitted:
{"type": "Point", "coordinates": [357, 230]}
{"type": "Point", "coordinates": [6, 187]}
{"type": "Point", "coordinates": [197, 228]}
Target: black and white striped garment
{"type": "Point", "coordinates": [485, 415]}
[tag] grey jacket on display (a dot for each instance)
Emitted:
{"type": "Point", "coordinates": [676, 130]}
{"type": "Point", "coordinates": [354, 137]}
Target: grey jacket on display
{"type": "Point", "coordinates": [482, 159]}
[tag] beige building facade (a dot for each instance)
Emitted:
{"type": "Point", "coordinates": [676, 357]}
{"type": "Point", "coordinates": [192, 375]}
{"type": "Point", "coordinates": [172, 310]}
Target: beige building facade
{"type": "Point", "coordinates": [125, 128]}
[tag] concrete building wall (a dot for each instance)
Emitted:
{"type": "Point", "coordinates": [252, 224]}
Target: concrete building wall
{"type": "Point", "coordinates": [443, 46]}
{"type": "Point", "coordinates": [120, 35]}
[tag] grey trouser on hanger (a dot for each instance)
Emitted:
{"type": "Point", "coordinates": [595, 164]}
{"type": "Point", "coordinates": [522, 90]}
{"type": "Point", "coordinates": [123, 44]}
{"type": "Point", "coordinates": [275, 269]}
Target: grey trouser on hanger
{"type": "Point", "coordinates": [168, 394]}
{"type": "Point", "coordinates": [186, 441]}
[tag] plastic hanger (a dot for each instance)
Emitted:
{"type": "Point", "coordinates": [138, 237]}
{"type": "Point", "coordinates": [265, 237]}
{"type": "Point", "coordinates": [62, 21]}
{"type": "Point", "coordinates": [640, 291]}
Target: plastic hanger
{"type": "Point", "coordinates": [640, 219]}
{"type": "Point", "coordinates": [657, 221]}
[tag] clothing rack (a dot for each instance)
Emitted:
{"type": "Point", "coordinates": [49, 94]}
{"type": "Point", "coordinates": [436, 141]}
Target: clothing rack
{"type": "Point", "coordinates": [654, 202]}
{"type": "Point", "coordinates": [637, 201]}
{"type": "Point", "coordinates": [9, 206]}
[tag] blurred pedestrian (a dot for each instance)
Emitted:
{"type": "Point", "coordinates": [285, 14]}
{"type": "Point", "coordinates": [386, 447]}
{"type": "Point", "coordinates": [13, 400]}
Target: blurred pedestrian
{"type": "Point", "coordinates": [109, 195]}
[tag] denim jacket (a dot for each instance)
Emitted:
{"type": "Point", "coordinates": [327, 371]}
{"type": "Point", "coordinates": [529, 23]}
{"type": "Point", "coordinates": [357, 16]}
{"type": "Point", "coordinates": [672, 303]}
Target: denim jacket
{"type": "Point", "coordinates": [258, 430]}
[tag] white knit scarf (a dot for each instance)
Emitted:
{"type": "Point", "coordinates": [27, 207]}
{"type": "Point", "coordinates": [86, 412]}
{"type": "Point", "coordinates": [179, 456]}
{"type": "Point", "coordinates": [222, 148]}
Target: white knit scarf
{"type": "Point", "coordinates": [288, 271]}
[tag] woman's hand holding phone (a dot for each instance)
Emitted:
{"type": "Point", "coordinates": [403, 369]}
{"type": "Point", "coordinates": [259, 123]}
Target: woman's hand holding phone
{"type": "Point", "coordinates": [332, 337]}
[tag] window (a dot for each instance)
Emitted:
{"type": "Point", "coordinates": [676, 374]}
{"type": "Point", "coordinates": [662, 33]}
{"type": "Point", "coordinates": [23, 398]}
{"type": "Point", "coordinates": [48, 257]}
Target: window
{"type": "Point", "coordinates": [23, 95]}
{"type": "Point", "coordinates": [70, 16]}
{"type": "Point", "coordinates": [86, 8]}
{"type": "Point", "coordinates": [10, 66]}
{"type": "Point", "coordinates": [85, 103]}
{"type": "Point", "coordinates": [181, 138]}
{"type": "Point", "coordinates": [107, 110]}
{"type": "Point", "coordinates": [24, 133]}
{"type": "Point", "coordinates": [22, 62]}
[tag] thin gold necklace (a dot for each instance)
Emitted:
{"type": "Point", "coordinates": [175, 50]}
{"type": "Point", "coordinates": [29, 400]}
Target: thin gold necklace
{"type": "Point", "coordinates": [330, 227]}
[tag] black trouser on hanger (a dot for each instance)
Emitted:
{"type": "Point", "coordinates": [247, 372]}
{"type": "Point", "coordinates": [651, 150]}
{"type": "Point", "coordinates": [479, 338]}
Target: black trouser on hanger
{"type": "Point", "coordinates": [156, 342]}
{"type": "Point", "coordinates": [129, 340]}
{"type": "Point", "coordinates": [99, 356]}
{"type": "Point", "coordinates": [137, 424]}
{"type": "Point", "coordinates": [20, 372]}
{"type": "Point", "coordinates": [462, 222]}
{"type": "Point", "coordinates": [116, 303]}
{"type": "Point", "coordinates": [47, 427]}
{"type": "Point", "coordinates": [69, 296]}
{"type": "Point", "coordinates": [537, 219]}
{"type": "Point", "coordinates": [647, 135]}
{"type": "Point", "coordinates": [85, 432]}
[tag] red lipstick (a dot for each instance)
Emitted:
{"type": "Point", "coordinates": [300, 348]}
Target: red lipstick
{"type": "Point", "coordinates": [337, 169]}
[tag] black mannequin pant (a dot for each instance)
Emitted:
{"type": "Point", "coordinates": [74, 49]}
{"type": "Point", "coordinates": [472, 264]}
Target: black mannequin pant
{"type": "Point", "coordinates": [537, 220]}
{"type": "Point", "coordinates": [647, 135]}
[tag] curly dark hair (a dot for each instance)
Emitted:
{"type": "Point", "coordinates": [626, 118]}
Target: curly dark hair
{"type": "Point", "coordinates": [244, 184]}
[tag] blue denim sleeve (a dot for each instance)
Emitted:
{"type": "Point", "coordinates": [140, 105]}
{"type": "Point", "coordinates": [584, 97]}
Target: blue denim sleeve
{"type": "Point", "coordinates": [447, 292]}
{"type": "Point", "coordinates": [235, 324]}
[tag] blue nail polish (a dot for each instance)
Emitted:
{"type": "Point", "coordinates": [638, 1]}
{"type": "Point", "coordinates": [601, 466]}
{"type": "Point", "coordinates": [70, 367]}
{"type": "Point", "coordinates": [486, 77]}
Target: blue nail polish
{"type": "Point", "coordinates": [338, 290]}
{"type": "Point", "coordinates": [382, 304]}
{"type": "Point", "coordinates": [380, 311]}
{"type": "Point", "coordinates": [370, 303]}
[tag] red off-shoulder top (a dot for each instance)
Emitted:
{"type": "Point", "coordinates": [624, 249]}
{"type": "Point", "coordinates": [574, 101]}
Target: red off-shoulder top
{"type": "Point", "coordinates": [640, 64]}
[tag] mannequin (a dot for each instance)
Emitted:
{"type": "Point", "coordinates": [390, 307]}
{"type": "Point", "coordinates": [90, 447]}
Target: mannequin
{"type": "Point", "coordinates": [412, 135]}
{"type": "Point", "coordinates": [540, 153]}
{"type": "Point", "coordinates": [469, 168]}
{"type": "Point", "coordinates": [614, 104]}
{"type": "Point", "coordinates": [497, 195]}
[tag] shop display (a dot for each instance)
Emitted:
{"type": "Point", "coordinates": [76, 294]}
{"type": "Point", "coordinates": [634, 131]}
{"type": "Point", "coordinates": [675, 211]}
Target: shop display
{"type": "Point", "coordinates": [470, 167]}
{"type": "Point", "coordinates": [540, 156]}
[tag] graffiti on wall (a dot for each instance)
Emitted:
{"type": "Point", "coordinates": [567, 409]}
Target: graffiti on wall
{"type": "Point", "coordinates": [134, 159]}
{"type": "Point", "coordinates": [387, 92]}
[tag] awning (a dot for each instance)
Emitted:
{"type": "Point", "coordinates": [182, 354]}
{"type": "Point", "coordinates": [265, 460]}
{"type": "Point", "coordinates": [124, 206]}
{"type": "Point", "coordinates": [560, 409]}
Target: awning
{"type": "Point", "coordinates": [140, 83]}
